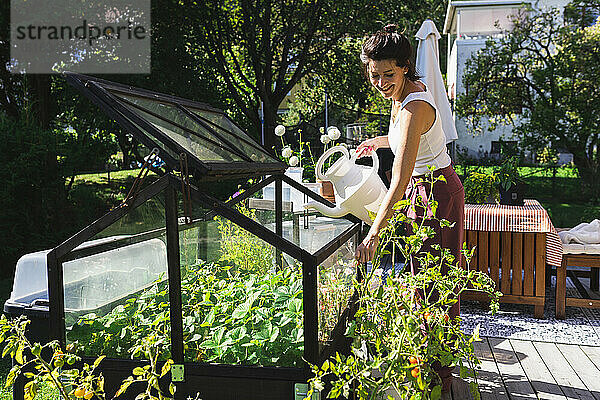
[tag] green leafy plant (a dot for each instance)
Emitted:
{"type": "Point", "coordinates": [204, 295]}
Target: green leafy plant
{"type": "Point", "coordinates": [335, 286]}
{"type": "Point", "coordinates": [229, 317]}
{"type": "Point", "coordinates": [146, 348]}
{"type": "Point", "coordinates": [480, 188]}
{"type": "Point", "coordinates": [32, 360]}
{"type": "Point", "coordinates": [507, 174]}
{"type": "Point", "coordinates": [240, 248]}
{"type": "Point", "coordinates": [402, 332]}
{"type": "Point", "coordinates": [47, 364]}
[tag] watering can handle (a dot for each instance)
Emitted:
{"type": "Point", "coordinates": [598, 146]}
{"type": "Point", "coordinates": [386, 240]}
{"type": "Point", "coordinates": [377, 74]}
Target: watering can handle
{"type": "Point", "coordinates": [374, 156]}
{"type": "Point", "coordinates": [325, 156]}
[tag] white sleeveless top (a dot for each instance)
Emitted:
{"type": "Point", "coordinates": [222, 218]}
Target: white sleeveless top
{"type": "Point", "coordinates": [432, 147]}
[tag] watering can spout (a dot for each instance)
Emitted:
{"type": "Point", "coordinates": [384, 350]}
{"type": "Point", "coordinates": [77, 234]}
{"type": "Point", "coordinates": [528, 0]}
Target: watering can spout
{"type": "Point", "coordinates": [334, 212]}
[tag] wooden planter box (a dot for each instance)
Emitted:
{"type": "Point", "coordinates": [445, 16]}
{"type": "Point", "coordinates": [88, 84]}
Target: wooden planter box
{"type": "Point", "coordinates": [515, 261]}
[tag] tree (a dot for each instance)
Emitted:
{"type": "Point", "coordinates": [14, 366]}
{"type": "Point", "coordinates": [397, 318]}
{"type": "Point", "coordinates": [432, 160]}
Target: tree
{"type": "Point", "coordinates": [548, 68]}
{"type": "Point", "coordinates": [340, 73]}
{"type": "Point", "coordinates": [260, 50]}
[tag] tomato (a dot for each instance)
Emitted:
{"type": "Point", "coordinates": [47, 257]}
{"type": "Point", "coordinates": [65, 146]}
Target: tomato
{"type": "Point", "coordinates": [88, 395]}
{"type": "Point", "coordinates": [446, 317]}
{"type": "Point", "coordinates": [427, 316]}
{"type": "Point", "coordinates": [79, 392]}
{"type": "Point", "coordinates": [415, 372]}
{"type": "Point", "coordinates": [413, 360]}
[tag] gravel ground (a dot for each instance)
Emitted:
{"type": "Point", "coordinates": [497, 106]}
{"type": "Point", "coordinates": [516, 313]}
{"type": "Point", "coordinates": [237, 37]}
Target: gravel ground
{"type": "Point", "coordinates": [514, 321]}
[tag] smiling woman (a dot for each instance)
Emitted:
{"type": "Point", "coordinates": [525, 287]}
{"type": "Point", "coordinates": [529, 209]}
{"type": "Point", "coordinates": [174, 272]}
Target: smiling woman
{"type": "Point", "coordinates": [418, 141]}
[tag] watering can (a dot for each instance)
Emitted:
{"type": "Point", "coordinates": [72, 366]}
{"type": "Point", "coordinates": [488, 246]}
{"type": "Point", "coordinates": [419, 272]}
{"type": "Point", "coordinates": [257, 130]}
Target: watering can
{"type": "Point", "coordinates": [358, 188]}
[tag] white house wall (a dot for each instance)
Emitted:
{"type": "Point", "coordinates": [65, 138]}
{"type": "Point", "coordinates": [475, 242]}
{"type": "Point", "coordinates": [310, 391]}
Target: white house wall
{"type": "Point", "coordinates": [474, 143]}
{"type": "Point", "coordinates": [462, 49]}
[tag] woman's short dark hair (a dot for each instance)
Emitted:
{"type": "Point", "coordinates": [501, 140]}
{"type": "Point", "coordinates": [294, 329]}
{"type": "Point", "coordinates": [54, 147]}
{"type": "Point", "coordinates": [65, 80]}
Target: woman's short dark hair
{"type": "Point", "coordinates": [388, 44]}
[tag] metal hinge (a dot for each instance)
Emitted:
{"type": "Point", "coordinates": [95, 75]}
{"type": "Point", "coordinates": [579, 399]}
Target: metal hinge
{"type": "Point", "coordinates": [301, 390]}
{"type": "Point", "coordinates": [177, 373]}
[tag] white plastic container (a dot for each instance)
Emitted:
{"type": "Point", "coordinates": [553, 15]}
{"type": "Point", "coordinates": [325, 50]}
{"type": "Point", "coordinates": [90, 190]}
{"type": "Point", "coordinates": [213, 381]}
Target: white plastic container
{"type": "Point", "coordinates": [93, 281]}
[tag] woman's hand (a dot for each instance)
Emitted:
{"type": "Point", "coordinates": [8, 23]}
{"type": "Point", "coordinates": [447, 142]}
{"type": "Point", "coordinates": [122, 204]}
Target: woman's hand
{"type": "Point", "coordinates": [366, 250]}
{"type": "Point", "coordinates": [368, 146]}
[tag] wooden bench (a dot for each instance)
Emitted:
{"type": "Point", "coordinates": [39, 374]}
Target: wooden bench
{"type": "Point", "coordinates": [515, 261]}
{"type": "Point", "coordinates": [579, 255]}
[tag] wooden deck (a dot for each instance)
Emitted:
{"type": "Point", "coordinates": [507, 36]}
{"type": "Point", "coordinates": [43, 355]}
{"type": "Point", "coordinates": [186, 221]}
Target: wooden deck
{"type": "Point", "coordinates": [519, 369]}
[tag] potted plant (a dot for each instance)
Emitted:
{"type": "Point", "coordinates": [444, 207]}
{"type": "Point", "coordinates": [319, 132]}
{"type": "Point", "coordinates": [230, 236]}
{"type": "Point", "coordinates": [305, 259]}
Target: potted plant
{"type": "Point", "coordinates": [510, 185]}
{"type": "Point", "coordinates": [481, 188]}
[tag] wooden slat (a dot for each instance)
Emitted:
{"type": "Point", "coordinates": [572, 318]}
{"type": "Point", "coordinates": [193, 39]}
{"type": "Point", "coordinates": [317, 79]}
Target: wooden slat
{"type": "Point", "coordinates": [507, 298]}
{"type": "Point", "coordinates": [517, 264]}
{"type": "Point", "coordinates": [540, 264]}
{"type": "Point", "coordinates": [577, 302]}
{"type": "Point", "coordinates": [506, 256]}
{"type": "Point", "coordinates": [583, 367]}
{"type": "Point", "coordinates": [510, 368]}
{"type": "Point", "coordinates": [538, 374]}
{"type": "Point", "coordinates": [472, 242]}
{"type": "Point", "coordinates": [262, 204]}
{"type": "Point", "coordinates": [482, 254]}
{"type": "Point", "coordinates": [562, 372]}
{"type": "Point", "coordinates": [494, 257]}
{"type": "Point", "coordinates": [561, 290]}
{"type": "Point", "coordinates": [528, 263]}
{"type": "Point", "coordinates": [491, 386]}
{"type": "Point", "coordinates": [593, 353]}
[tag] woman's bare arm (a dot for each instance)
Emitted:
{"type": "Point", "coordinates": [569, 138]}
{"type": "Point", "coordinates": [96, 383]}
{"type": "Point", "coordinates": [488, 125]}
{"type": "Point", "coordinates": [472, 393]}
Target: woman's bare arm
{"type": "Point", "coordinates": [372, 144]}
{"type": "Point", "coordinates": [416, 118]}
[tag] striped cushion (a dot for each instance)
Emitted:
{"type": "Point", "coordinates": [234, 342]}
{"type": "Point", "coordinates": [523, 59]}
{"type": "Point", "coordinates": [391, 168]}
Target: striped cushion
{"type": "Point", "coordinates": [576, 248]}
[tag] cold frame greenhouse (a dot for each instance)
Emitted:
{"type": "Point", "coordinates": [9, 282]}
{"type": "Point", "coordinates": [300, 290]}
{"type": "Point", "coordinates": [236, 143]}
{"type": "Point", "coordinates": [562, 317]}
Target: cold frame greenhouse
{"type": "Point", "coordinates": [241, 294]}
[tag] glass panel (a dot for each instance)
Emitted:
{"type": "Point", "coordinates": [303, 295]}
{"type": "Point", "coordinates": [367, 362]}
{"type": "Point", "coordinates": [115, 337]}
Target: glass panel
{"type": "Point", "coordinates": [200, 240]}
{"type": "Point", "coordinates": [310, 229]}
{"type": "Point", "coordinates": [147, 217]}
{"type": "Point", "coordinates": [119, 293]}
{"type": "Point", "coordinates": [238, 308]}
{"type": "Point", "coordinates": [201, 146]}
{"type": "Point", "coordinates": [158, 144]}
{"type": "Point", "coordinates": [335, 287]}
{"type": "Point", "coordinates": [234, 134]}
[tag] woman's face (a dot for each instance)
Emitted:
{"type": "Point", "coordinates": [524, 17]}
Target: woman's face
{"type": "Point", "coordinates": [387, 77]}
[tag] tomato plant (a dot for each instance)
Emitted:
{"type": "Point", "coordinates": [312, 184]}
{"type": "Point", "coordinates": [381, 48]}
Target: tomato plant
{"type": "Point", "coordinates": [401, 332]}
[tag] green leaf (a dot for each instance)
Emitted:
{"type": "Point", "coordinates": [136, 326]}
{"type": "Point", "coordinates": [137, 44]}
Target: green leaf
{"type": "Point", "coordinates": [123, 387]}
{"type": "Point", "coordinates": [166, 367]}
{"type": "Point", "coordinates": [36, 349]}
{"type": "Point", "coordinates": [241, 311]}
{"type": "Point", "coordinates": [137, 371]}
{"type": "Point", "coordinates": [10, 379]}
{"type": "Point", "coordinates": [19, 354]}
{"type": "Point", "coordinates": [209, 319]}
{"type": "Point", "coordinates": [436, 393]}
{"type": "Point", "coordinates": [295, 305]}
{"type": "Point", "coordinates": [98, 361]}
{"type": "Point", "coordinates": [274, 335]}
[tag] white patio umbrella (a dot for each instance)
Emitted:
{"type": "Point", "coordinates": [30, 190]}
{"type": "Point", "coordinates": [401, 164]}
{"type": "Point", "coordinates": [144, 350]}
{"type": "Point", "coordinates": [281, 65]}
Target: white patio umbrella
{"type": "Point", "coordinates": [428, 65]}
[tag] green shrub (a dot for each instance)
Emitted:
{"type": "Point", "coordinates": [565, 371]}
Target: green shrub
{"type": "Point", "coordinates": [402, 327]}
{"type": "Point", "coordinates": [32, 192]}
{"type": "Point", "coordinates": [480, 188]}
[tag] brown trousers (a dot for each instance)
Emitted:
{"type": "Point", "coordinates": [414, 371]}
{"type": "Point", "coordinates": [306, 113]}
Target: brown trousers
{"type": "Point", "coordinates": [450, 196]}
